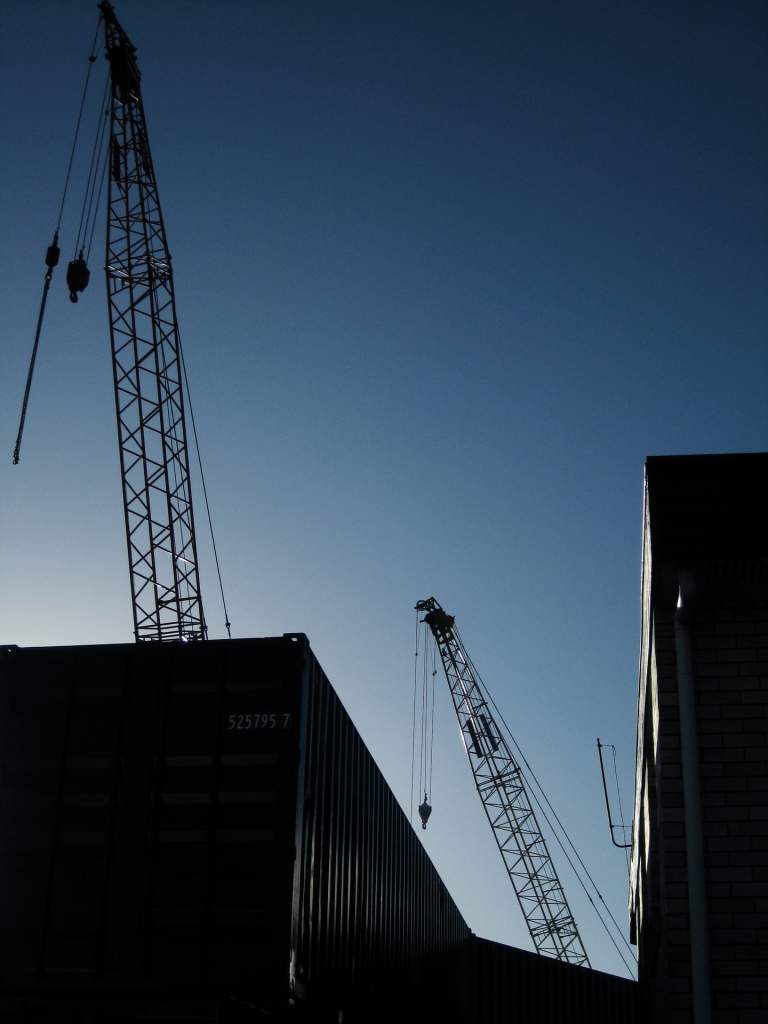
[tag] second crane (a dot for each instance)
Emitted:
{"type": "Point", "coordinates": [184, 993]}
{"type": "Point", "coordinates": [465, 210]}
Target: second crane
{"type": "Point", "coordinates": [501, 786]}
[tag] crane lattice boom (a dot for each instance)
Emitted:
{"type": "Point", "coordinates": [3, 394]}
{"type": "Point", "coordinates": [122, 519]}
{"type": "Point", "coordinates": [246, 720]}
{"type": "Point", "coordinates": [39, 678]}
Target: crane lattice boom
{"type": "Point", "coordinates": [500, 783]}
{"type": "Point", "coordinates": [148, 371]}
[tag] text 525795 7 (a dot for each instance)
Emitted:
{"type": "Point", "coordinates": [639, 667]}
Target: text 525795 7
{"type": "Point", "coordinates": [272, 721]}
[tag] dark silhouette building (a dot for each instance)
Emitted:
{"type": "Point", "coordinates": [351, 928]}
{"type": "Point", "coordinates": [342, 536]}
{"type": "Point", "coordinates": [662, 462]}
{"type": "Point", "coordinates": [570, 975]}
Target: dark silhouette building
{"type": "Point", "coordinates": [699, 881]}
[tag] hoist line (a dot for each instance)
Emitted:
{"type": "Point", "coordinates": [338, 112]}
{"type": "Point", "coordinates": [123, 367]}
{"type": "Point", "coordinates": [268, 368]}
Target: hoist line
{"type": "Point", "coordinates": [52, 254]}
{"type": "Point", "coordinates": [432, 726]}
{"type": "Point", "coordinates": [421, 728]}
{"type": "Point", "coordinates": [564, 831]}
{"type": "Point", "coordinates": [424, 712]}
{"type": "Point", "coordinates": [101, 175]}
{"type": "Point", "coordinates": [96, 208]}
{"type": "Point", "coordinates": [93, 172]}
{"type": "Point", "coordinates": [413, 720]}
{"type": "Point", "coordinates": [227, 623]}
{"type": "Point", "coordinates": [427, 720]}
{"type": "Point", "coordinates": [31, 370]}
{"type": "Point", "coordinates": [427, 714]}
{"type": "Point", "coordinates": [91, 62]}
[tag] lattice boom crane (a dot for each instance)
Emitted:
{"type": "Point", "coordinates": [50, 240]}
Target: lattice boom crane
{"type": "Point", "coordinates": [148, 370]}
{"type": "Point", "coordinates": [502, 790]}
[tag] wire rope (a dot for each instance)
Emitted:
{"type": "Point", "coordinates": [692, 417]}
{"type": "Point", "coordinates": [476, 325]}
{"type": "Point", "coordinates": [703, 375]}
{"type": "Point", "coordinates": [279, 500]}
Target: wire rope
{"type": "Point", "coordinates": [103, 178]}
{"type": "Point", "coordinates": [432, 718]}
{"type": "Point", "coordinates": [567, 836]}
{"type": "Point", "coordinates": [413, 727]}
{"type": "Point", "coordinates": [564, 831]}
{"type": "Point", "coordinates": [227, 623]}
{"type": "Point", "coordinates": [421, 722]}
{"type": "Point", "coordinates": [52, 255]}
{"type": "Point", "coordinates": [424, 698]}
{"type": "Point", "coordinates": [33, 358]}
{"type": "Point", "coordinates": [572, 866]}
{"type": "Point", "coordinates": [427, 717]}
{"type": "Point", "coordinates": [90, 185]}
{"type": "Point", "coordinates": [91, 62]}
{"type": "Point", "coordinates": [101, 175]}
{"type": "Point", "coordinates": [575, 871]}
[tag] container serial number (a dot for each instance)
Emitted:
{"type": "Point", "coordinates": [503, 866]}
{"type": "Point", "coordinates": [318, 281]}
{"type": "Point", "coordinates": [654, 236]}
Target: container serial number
{"type": "Point", "coordinates": [250, 723]}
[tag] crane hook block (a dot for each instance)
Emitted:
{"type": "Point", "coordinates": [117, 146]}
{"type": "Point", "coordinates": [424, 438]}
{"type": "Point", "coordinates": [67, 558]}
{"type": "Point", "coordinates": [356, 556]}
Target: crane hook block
{"type": "Point", "coordinates": [53, 252]}
{"type": "Point", "coordinates": [425, 810]}
{"type": "Point", "coordinates": [78, 276]}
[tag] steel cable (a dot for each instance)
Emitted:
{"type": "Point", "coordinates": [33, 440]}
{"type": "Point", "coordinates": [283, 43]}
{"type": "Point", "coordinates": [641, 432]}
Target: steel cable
{"type": "Point", "coordinates": [90, 185]}
{"type": "Point", "coordinates": [227, 623]}
{"type": "Point", "coordinates": [33, 359]}
{"type": "Point", "coordinates": [413, 727]}
{"type": "Point", "coordinates": [432, 717]}
{"type": "Point", "coordinates": [424, 719]}
{"type": "Point", "coordinates": [564, 831]}
{"type": "Point", "coordinates": [96, 210]}
{"type": "Point", "coordinates": [51, 259]}
{"type": "Point", "coordinates": [102, 176]}
{"type": "Point", "coordinates": [91, 62]}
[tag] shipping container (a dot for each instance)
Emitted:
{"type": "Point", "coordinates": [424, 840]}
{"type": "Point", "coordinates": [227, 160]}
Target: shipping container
{"type": "Point", "coordinates": [196, 831]}
{"type": "Point", "coordinates": [499, 984]}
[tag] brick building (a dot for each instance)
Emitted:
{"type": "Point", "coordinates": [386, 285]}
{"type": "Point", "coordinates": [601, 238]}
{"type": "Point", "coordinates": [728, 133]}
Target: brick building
{"type": "Point", "coordinates": [699, 879]}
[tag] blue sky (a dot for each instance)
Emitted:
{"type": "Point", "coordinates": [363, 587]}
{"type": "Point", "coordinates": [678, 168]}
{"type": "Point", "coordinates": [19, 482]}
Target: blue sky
{"type": "Point", "coordinates": [446, 273]}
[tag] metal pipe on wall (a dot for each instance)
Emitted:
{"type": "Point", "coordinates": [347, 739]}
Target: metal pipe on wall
{"type": "Point", "coordinates": [694, 833]}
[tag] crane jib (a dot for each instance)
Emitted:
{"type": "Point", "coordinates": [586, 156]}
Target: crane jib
{"type": "Point", "coordinates": [502, 789]}
{"type": "Point", "coordinates": [148, 370]}
{"type": "Point", "coordinates": [150, 380]}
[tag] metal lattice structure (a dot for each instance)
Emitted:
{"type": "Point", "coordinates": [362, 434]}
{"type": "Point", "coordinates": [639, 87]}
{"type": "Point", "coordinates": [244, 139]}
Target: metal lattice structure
{"type": "Point", "coordinates": [148, 371]}
{"type": "Point", "coordinates": [502, 790]}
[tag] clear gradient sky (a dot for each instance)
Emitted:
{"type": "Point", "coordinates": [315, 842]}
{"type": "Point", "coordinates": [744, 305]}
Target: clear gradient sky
{"type": "Point", "coordinates": [446, 273]}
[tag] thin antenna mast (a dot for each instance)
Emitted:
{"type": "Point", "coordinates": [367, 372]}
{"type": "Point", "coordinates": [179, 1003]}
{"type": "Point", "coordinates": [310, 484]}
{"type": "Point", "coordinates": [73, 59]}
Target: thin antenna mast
{"type": "Point", "coordinates": [621, 846]}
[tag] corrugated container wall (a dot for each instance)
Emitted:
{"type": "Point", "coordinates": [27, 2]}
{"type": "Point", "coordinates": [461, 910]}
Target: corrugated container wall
{"type": "Point", "coordinates": [203, 822]}
{"type": "Point", "coordinates": [499, 983]}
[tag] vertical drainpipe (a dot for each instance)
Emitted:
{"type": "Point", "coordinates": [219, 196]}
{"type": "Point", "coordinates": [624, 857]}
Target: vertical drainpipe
{"type": "Point", "coordinates": [694, 833]}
